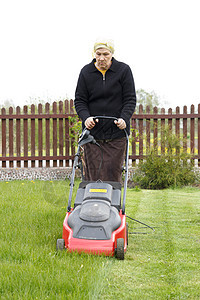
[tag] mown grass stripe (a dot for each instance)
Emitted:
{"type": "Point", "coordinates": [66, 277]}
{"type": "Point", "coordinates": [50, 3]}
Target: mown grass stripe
{"type": "Point", "coordinates": [154, 266]}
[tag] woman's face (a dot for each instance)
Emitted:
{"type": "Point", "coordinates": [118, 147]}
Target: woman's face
{"type": "Point", "coordinates": [103, 58]}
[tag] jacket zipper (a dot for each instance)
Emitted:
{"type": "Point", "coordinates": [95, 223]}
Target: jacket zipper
{"type": "Point", "coordinates": [104, 87]}
{"type": "Point", "coordinates": [104, 79]}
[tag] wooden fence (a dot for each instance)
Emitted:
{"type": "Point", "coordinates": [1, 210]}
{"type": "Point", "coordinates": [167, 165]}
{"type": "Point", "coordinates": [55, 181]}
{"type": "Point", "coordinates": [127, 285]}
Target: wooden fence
{"type": "Point", "coordinates": [39, 136]}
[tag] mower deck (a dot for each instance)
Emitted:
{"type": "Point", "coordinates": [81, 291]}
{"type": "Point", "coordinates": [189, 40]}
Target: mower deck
{"type": "Point", "coordinates": [106, 247]}
{"type": "Point", "coordinates": [96, 224]}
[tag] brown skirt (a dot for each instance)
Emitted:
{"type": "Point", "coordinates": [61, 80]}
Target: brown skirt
{"type": "Point", "coordinates": [105, 164]}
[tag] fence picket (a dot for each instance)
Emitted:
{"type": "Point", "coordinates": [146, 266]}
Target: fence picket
{"type": "Point", "coordinates": [170, 120]}
{"type": "Point", "coordinates": [177, 128]}
{"type": "Point", "coordinates": [18, 137]}
{"type": "Point", "coordinates": [60, 133]}
{"type": "Point", "coordinates": [47, 123]}
{"type": "Point", "coordinates": [32, 136]}
{"type": "Point", "coordinates": [148, 131]}
{"type": "Point", "coordinates": [67, 133]}
{"type": "Point", "coordinates": [11, 137]}
{"type": "Point", "coordinates": [55, 134]}
{"type": "Point", "coordinates": [141, 132]}
{"type": "Point", "coordinates": [185, 129]}
{"type": "Point", "coordinates": [3, 130]}
{"type": "Point", "coordinates": [25, 136]}
{"type": "Point", "coordinates": [72, 139]}
{"type": "Point", "coordinates": [163, 132]}
{"type": "Point", "coordinates": [40, 135]}
{"type": "Point", "coordinates": [192, 129]}
{"type": "Point", "coordinates": [133, 144]}
{"type": "Point", "coordinates": [198, 135]}
{"type": "Point", "coordinates": [155, 131]}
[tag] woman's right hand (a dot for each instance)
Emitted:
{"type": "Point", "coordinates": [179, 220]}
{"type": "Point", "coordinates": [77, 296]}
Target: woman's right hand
{"type": "Point", "coordinates": [90, 123]}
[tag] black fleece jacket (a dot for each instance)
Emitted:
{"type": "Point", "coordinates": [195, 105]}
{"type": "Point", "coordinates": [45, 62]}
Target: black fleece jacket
{"type": "Point", "coordinates": [109, 95]}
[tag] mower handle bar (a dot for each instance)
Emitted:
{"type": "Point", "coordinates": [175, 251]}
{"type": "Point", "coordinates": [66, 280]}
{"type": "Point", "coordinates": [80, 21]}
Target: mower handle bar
{"type": "Point", "coordinates": [105, 117]}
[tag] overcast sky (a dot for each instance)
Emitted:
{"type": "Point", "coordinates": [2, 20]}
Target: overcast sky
{"type": "Point", "coordinates": [45, 43]}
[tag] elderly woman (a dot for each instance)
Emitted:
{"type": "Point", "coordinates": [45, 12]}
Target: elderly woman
{"type": "Point", "coordinates": [105, 88]}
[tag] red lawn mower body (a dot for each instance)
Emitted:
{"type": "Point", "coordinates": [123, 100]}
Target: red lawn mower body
{"type": "Point", "coordinates": [105, 247]}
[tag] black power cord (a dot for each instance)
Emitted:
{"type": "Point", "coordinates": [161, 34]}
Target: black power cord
{"type": "Point", "coordinates": [101, 162]}
{"type": "Point", "coordinates": [146, 226]}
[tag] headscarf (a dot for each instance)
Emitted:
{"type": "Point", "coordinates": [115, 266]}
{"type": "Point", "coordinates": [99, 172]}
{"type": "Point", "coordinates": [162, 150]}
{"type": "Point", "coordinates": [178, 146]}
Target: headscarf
{"type": "Point", "coordinates": [108, 44]}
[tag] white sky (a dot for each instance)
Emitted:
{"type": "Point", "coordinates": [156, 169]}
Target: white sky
{"type": "Point", "coordinates": [45, 43]}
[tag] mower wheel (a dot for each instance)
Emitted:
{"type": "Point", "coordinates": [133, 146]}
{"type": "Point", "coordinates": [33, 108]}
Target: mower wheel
{"type": "Point", "coordinates": [120, 249]}
{"type": "Point", "coordinates": [60, 244]}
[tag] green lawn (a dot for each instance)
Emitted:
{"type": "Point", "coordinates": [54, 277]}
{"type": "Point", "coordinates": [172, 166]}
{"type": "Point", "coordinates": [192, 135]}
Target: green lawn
{"type": "Point", "coordinates": [164, 264]}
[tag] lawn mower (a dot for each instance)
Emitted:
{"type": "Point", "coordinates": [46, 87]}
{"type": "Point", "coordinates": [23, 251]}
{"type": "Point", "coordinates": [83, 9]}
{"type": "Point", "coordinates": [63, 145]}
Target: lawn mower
{"type": "Point", "coordinates": [96, 223]}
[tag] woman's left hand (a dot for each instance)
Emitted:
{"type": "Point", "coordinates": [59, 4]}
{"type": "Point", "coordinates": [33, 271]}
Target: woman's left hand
{"type": "Point", "coordinates": [121, 124]}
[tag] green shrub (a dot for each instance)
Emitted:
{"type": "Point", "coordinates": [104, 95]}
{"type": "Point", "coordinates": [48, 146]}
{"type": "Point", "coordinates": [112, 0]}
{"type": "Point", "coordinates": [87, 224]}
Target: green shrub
{"type": "Point", "coordinates": [174, 168]}
{"type": "Point", "coordinates": [75, 129]}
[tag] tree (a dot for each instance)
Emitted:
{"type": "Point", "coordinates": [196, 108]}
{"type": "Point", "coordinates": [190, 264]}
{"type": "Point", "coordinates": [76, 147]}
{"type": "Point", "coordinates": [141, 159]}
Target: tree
{"type": "Point", "coordinates": [147, 99]}
{"type": "Point", "coordinates": [7, 103]}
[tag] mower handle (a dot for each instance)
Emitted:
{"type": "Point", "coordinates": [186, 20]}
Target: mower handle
{"type": "Point", "coordinates": [105, 117]}
{"type": "Point", "coordinates": [85, 138]}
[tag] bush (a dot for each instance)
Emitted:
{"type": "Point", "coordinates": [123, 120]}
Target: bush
{"type": "Point", "coordinates": [174, 168]}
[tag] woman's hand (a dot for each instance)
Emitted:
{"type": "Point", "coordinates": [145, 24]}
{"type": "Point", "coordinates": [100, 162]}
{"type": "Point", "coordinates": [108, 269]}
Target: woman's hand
{"type": "Point", "coordinates": [121, 124]}
{"type": "Point", "coordinates": [90, 123]}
